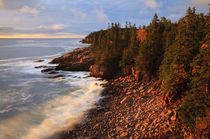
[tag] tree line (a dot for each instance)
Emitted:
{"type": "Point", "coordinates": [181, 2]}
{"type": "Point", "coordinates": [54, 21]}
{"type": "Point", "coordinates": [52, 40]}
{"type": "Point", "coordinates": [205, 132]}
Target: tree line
{"type": "Point", "coordinates": [175, 53]}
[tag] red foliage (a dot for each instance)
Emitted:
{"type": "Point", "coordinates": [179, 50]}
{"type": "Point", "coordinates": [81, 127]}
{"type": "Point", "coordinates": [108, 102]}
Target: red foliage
{"type": "Point", "coordinates": [194, 70]}
{"type": "Point", "coordinates": [204, 46]}
{"type": "Point", "coordinates": [111, 42]}
{"type": "Point", "coordinates": [141, 34]}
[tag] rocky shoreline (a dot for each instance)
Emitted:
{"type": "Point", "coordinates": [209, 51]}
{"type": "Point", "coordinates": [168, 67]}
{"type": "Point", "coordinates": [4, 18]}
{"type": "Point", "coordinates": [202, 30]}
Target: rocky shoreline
{"type": "Point", "coordinates": [130, 108]}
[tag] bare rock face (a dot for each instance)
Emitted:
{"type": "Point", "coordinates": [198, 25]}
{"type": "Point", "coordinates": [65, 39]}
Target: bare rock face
{"type": "Point", "coordinates": [100, 71]}
{"type": "Point", "coordinates": [79, 59]}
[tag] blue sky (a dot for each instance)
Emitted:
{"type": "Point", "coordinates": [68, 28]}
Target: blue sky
{"type": "Point", "coordinates": [77, 18]}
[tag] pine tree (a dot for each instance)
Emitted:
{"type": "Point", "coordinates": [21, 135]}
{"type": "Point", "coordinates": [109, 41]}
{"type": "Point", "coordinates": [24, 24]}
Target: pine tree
{"type": "Point", "coordinates": [151, 50]}
{"type": "Point", "coordinates": [195, 108]}
{"type": "Point", "coordinates": [186, 47]}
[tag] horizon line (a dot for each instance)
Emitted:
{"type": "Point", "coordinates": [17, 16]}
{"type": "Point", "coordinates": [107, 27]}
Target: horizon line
{"type": "Point", "coordinates": [41, 36]}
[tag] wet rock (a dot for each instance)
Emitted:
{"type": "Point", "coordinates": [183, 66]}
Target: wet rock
{"type": "Point", "coordinates": [38, 67]}
{"type": "Point", "coordinates": [53, 72]}
{"type": "Point", "coordinates": [57, 76]}
{"type": "Point", "coordinates": [47, 70]}
{"type": "Point", "coordinates": [40, 60]}
{"type": "Point", "coordinates": [44, 66]}
{"type": "Point", "coordinates": [104, 85]}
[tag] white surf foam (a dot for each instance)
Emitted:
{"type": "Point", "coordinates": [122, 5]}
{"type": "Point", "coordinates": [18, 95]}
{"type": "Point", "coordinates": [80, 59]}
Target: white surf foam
{"type": "Point", "coordinates": [65, 111]}
{"type": "Point", "coordinates": [55, 115]}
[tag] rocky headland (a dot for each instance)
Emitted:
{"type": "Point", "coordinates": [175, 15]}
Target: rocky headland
{"type": "Point", "coordinates": [79, 59]}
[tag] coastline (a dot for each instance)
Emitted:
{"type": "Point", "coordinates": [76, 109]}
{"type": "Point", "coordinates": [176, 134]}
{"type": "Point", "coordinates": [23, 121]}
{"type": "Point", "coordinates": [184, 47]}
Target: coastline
{"type": "Point", "coordinates": [128, 109]}
{"type": "Point", "coordinates": [135, 111]}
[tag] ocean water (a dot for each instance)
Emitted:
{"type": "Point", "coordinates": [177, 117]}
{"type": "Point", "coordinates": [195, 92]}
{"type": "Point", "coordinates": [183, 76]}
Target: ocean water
{"type": "Point", "coordinates": [32, 105]}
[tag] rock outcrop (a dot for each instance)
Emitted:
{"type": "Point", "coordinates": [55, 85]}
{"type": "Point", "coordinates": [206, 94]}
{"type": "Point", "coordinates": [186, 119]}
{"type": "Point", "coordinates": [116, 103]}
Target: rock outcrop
{"type": "Point", "coordinates": [79, 59]}
{"type": "Point", "coordinates": [100, 71]}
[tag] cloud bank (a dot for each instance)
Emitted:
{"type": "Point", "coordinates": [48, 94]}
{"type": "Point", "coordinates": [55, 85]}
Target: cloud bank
{"type": "Point", "coordinates": [59, 17]}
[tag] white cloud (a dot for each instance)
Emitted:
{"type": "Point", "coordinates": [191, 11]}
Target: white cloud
{"type": "Point", "coordinates": [52, 27]}
{"type": "Point", "coordinates": [42, 27]}
{"type": "Point", "coordinates": [57, 27]}
{"type": "Point", "coordinates": [27, 9]}
{"type": "Point", "coordinates": [79, 14]}
{"type": "Point", "coordinates": [101, 16]}
{"type": "Point", "coordinates": [199, 3]}
{"type": "Point", "coordinates": [1, 3]}
{"type": "Point", "coordinates": [151, 3]}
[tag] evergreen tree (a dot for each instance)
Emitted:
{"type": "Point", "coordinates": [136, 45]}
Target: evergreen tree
{"type": "Point", "coordinates": [151, 50]}
{"type": "Point", "coordinates": [194, 110]}
{"type": "Point", "coordinates": [187, 46]}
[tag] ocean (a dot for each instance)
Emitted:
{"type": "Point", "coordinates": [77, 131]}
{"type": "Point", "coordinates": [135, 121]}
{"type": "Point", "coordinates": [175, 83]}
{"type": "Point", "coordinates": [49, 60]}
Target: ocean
{"type": "Point", "coordinates": [34, 105]}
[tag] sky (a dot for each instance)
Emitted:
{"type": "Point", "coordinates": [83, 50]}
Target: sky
{"type": "Point", "coordinates": [77, 18]}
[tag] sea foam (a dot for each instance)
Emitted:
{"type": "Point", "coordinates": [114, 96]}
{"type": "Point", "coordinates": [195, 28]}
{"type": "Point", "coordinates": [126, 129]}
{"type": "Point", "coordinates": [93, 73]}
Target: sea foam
{"type": "Point", "coordinates": [55, 115]}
